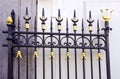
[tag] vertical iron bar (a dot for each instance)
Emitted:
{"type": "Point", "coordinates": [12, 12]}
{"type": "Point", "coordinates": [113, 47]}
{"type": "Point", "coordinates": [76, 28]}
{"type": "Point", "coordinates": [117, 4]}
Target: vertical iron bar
{"type": "Point", "coordinates": [59, 20]}
{"type": "Point", "coordinates": [43, 56]}
{"type": "Point", "coordinates": [75, 20]}
{"type": "Point", "coordinates": [91, 57]}
{"type": "Point", "coordinates": [35, 64]}
{"type": "Point", "coordinates": [43, 19]}
{"type": "Point", "coordinates": [51, 29]}
{"type": "Point", "coordinates": [18, 48]}
{"type": "Point", "coordinates": [35, 49]}
{"type": "Point", "coordinates": [27, 54]}
{"type": "Point", "coordinates": [27, 18]}
{"type": "Point", "coordinates": [90, 21]}
{"type": "Point", "coordinates": [67, 48]}
{"type": "Point", "coordinates": [83, 50]}
{"type": "Point", "coordinates": [75, 56]}
{"type": "Point", "coordinates": [59, 58]}
{"type": "Point", "coordinates": [68, 68]}
{"type": "Point", "coordinates": [99, 58]}
{"type": "Point", "coordinates": [18, 68]}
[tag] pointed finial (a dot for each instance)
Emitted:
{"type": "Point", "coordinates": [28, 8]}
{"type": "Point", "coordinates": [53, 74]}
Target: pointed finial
{"type": "Point", "coordinates": [35, 23]}
{"type": "Point", "coordinates": [98, 25]}
{"type": "Point", "coordinates": [66, 23]}
{"type": "Point", "coordinates": [82, 25]}
{"type": "Point", "coordinates": [26, 10]}
{"type": "Point", "coordinates": [18, 22]}
{"type": "Point", "coordinates": [59, 19]}
{"type": "Point", "coordinates": [51, 23]}
{"type": "Point", "coordinates": [59, 13]}
{"type": "Point", "coordinates": [27, 17]}
{"type": "Point", "coordinates": [90, 14]}
{"type": "Point", "coordinates": [43, 13]}
{"type": "Point", "coordinates": [90, 20]}
{"type": "Point", "coordinates": [74, 13]}
{"type": "Point", "coordinates": [75, 20]}
{"type": "Point", "coordinates": [13, 15]}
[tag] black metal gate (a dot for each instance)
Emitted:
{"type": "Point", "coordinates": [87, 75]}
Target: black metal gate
{"type": "Point", "coordinates": [34, 39]}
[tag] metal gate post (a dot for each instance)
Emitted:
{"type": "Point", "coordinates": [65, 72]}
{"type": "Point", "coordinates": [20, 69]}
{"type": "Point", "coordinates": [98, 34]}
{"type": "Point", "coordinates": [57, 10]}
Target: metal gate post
{"type": "Point", "coordinates": [11, 26]}
{"type": "Point", "coordinates": [106, 17]}
{"type": "Point", "coordinates": [107, 28]}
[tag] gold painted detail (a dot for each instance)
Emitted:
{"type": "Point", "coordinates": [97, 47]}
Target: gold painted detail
{"type": "Point", "coordinates": [9, 20]}
{"type": "Point", "coordinates": [106, 15]}
{"type": "Point", "coordinates": [75, 19]}
{"type": "Point", "coordinates": [59, 27]}
{"type": "Point", "coordinates": [27, 17]}
{"type": "Point", "coordinates": [75, 28]}
{"type": "Point", "coordinates": [43, 18]}
{"type": "Point", "coordinates": [52, 54]}
{"type": "Point", "coordinates": [27, 25]}
{"type": "Point", "coordinates": [59, 19]}
{"type": "Point", "coordinates": [90, 28]}
{"type": "Point", "coordinates": [43, 26]}
{"type": "Point", "coordinates": [35, 55]}
{"type": "Point", "coordinates": [83, 55]}
{"type": "Point", "coordinates": [99, 56]}
{"type": "Point", "coordinates": [68, 54]}
{"type": "Point", "coordinates": [19, 54]}
{"type": "Point", "coordinates": [90, 20]}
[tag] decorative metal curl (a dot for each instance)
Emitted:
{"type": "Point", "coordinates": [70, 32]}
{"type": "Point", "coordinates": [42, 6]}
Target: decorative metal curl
{"type": "Point", "coordinates": [80, 43]}
{"type": "Point", "coordinates": [21, 41]}
{"type": "Point", "coordinates": [64, 43]}
{"type": "Point", "coordinates": [33, 42]}
{"type": "Point", "coordinates": [100, 44]}
{"type": "Point", "coordinates": [49, 43]}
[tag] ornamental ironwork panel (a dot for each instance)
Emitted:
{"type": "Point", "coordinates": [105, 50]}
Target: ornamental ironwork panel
{"type": "Point", "coordinates": [60, 40]}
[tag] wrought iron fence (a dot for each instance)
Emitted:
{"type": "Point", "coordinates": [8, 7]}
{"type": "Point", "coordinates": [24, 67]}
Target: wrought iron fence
{"type": "Point", "coordinates": [34, 39]}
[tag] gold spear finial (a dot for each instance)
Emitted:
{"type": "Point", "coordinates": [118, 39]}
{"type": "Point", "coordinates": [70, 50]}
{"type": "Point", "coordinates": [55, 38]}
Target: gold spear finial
{"type": "Point", "coordinates": [68, 55]}
{"type": "Point", "coordinates": [106, 14]}
{"type": "Point", "coordinates": [99, 56]}
{"type": "Point", "coordinates": [9, 20]}
{"type": "Point", "coordinates": [35, 54]}
{"type": "Point", "coordinates": [52, 54]}
{"type": "Point", "coordinates": [19, 54]}
{"type": "Point", "coordinates": [83, 55]}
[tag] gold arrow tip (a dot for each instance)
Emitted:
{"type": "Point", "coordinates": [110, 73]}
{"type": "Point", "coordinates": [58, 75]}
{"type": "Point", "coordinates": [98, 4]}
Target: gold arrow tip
{"type": "Point", "coordinates": [35, 54]}
{"type": "Point", "coordinates": [19, 54]}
